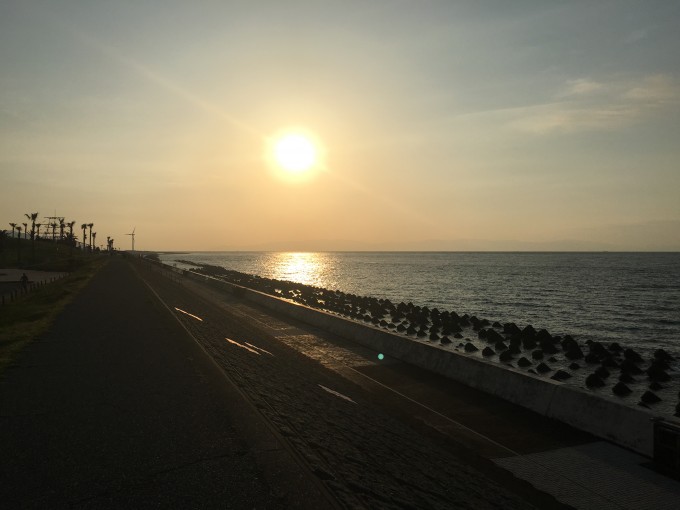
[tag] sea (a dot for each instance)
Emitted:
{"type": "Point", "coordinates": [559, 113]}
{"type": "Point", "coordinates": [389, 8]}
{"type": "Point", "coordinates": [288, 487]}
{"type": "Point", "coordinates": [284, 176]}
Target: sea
{"type": "Point", "coordinates": [629, 298]}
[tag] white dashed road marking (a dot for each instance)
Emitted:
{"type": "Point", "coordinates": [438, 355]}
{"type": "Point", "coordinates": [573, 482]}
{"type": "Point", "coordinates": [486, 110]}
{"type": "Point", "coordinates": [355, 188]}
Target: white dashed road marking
{"type": "Point", "coordinates": [332, 392]}
{"type": "Point", "coordinates": [258, 348]}
{"type": "Point", "coordinates": [189, 314]}
{"type": "Point", "coordinates": [241, 346]}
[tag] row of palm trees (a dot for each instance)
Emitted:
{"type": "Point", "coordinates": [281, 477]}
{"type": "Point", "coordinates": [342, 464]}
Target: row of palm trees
{"type": "Point", "coordinates": [55, 223]}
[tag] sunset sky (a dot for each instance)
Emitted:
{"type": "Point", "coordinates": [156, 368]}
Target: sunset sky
{"type": "Point", "coordinates": [480, 125]}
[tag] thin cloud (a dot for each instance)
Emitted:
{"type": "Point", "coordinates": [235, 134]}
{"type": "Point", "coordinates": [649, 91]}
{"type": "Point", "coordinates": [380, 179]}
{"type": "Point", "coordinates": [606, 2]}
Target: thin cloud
{"type": "Point", "coordinates": [581, 87]}
{"type": "Point", "coordinates": [587, 105]}
{"type": "Point", "coordinates": [656, 89]}
{"type": "Point", "coordinates": [564, 118]}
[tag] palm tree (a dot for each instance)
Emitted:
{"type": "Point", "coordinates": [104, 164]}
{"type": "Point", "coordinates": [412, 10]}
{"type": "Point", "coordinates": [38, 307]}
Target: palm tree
{"type": "Point", "coordinates": [70, 239]}
{"type": "Point", "coordinates": [90, 225]}
{"type": "Point", "coordinates": [70, 225]}
{"type": "Point", "coordinates": [25, 230]}
{"type": "Point", "coordinates": [62, 225]}
{"type": "Point", "coordinates": [38, 225]}
{"type": "Point", "coordinates": [14, 227]}
{"type": "Point", "coordinates": [94, 239]}
{"type": "Point", "coordinates": [84, 227]}
{"type": "Point", "coordinates": [32, 217]}
{"type": "Point", "coordinates": [19, 243]}
{"type": "Point", "coordinates": [54, 228]}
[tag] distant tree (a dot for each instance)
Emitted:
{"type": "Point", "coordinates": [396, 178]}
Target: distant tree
{"type": "Point", "coordinates": [70, 226]}
{"type": "Point", "coordinates": [90, 225]}
{"type": "Point", "coordinates": [54, 230]}
{"type": "Point", "coordinates": [14, 227]}
{"type": "Point", "coordinates": [33, 217]}
{"type": "Point", "coordinates": [3, 236]}
{"type": "Point", "coordinates": [19, 243]}
{"type": "Point", "coordinates": [62, 225]}
{"type": "Point", "coordinates": [70, 238]}
{"type": "Point", "coordinates": [38, 225]}
{"type": "Point", "coordinates": [94, 239]}
{"type": "Point", "coordinates": [84, 227]}
{"type": "Point", "coordinates": [25, 230]}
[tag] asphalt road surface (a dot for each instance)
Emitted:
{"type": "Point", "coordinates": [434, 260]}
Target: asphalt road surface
{"type": "Point", "coordinates": [151, 391]}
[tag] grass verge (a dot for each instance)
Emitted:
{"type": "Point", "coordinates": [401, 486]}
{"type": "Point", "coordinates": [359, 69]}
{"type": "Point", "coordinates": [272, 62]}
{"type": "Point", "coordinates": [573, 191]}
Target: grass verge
{"type": "Point", "coordinates": [32, 314]}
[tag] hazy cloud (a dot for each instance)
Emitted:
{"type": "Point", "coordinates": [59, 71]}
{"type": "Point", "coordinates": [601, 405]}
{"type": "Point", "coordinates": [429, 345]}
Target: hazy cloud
{"type": "Point", "coordinates": [568, 119]}
{"type": "Point", "coordinates": [656, 89]}
{"type": "Point", "coordinates": [581, 87]}
{"type": "Point", "coordinates": [586, 105]}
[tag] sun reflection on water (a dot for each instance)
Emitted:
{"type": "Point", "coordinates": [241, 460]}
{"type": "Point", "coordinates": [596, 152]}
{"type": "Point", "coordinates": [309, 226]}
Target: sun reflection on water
{"type": "Point", "coordinates": [307, 268]}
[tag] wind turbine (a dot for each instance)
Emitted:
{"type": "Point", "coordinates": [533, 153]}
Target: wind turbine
{"type": "Point", "coordinates": [133, 237]}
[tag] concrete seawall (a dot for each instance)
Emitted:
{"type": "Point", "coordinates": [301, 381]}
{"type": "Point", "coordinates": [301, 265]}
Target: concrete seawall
{"type": "Point", "coordinates": [599, 415]}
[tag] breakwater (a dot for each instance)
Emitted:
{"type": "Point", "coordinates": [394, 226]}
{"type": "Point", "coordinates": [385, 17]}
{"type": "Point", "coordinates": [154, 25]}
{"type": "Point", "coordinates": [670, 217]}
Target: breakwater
{"type": "Point", "coordinates": [525, 366]}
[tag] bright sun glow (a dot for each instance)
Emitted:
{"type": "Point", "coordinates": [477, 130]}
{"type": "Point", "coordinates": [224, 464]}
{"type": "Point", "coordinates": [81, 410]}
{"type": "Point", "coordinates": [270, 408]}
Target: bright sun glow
{"type": "Point", "coordinates": [295, 152]}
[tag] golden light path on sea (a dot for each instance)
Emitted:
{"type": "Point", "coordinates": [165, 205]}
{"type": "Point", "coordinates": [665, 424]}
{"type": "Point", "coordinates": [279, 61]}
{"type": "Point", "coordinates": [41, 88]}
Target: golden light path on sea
{"type": "Point", "coordinates": [306, 268]}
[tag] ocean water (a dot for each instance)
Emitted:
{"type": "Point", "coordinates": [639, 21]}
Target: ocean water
{"type": "Point", "coordinates": [630, 298]}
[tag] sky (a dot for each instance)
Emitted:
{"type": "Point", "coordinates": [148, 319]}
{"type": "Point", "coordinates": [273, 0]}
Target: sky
{"type": "Point", "coordinates": [440, 125]}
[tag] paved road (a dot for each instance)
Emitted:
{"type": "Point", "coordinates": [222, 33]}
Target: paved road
{"type": "Point", "coordinates": [117, 407]}
{"type": "Point", "coordinates": [226, 405]}
{"type": "Point", "coordinates": [370, 449]}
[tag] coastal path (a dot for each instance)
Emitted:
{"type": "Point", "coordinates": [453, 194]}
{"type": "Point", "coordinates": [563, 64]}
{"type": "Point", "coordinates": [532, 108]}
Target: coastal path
{"type": "Point", "coordinates": [372, 447]}
{"type": "Point", "coordinates": [119, 405]}
{"type": "Point", "coordinates": [153, 390]}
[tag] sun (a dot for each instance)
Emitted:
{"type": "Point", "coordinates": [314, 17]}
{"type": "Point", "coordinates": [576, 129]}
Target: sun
{"type": "Point", "coordinates": [295, 152]}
